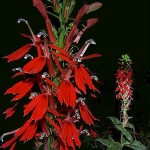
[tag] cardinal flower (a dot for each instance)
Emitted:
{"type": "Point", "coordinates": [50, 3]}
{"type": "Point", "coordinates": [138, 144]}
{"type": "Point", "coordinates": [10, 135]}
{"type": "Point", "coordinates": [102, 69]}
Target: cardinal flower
{"type": "Point", "coordinates": [67, 93]}
{"type": "Point", "coordinates": [19, 53]}
{"type": "Point", "coordinates": [25, 133]}
{"type": "Point", "coordinates": [83, 78]}
{"type": "Point", "coordinates": [10, 111]}
{"type": "Point", "coordinates": [38, 105]}
{"type": "Point", "coordinates": [85, 113]}
{"type": "Point", "coordinates": [21, 88]}
{"type": "Point", "coordinates": [69, 134]}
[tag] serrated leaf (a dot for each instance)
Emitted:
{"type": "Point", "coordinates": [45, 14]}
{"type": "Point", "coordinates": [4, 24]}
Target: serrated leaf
{"type": "Point", "coordinates": [136, 145]}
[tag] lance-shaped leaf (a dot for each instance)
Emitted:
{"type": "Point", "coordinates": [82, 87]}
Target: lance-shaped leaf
{"type": "Point", "coordinates": [20, 89]}
{"type": "Point", "coordinates": [19, 53]}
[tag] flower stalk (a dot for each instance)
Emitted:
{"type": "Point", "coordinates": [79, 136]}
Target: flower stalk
{"type": "Point", "coordinates": [54, 81]}
{"type": "Point", "coordinates": [124, 89]}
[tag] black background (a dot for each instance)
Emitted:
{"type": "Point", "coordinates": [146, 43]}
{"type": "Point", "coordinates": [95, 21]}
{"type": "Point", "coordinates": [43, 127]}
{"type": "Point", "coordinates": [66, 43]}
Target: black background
{"type": "Point", "coordinates": [123, 28]}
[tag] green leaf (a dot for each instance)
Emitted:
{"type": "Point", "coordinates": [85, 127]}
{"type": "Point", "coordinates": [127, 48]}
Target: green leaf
{"type": "Point", "coordinates": [131, 126]}
{"type": "Point", "coordinates": [136, 145]}
{"type": "Point", "coordinates": [105, 142]}
{"type": "Point", "coordinates": [124, 132]}
{"type": "Point", "coordinates": [115, 146]}
{"type": "Point", "coordinates": [115, 121]}
{"type": "Point", "coordinates": [110, 143]}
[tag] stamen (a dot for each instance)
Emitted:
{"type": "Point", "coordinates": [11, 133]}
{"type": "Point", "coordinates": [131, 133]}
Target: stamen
{"type": "Point", "coordinates": [28, 56]}
{"type": "Point", "coordinates": [42, 136]}
{"type": "Point", "coordinates": [7, 133]}
{"type": "Point", "coordinates": [85, 131]}
{"type": "Point", "coordinates": [26, 22]}
{"type": "Point", "coordinates": [81, 100]}
{"type": "Point", "coordinates": [17, 69]}
{"type": "Point", "coordinates": [41, 34]}
{"type": "Point", "coordinates": [32, 95]}
{"type": "Point", "coordinates": [45, 74]}
{"type": "Point", "coordinates": [88, 42]}
{"type": "Point", "coordinates": [94, 77]}
{"type": "Point", "coordinates": [76, 115]}
{"type": "Point", "coordinates": [22, 20]}
{"type": "Point", "coordinates": [83, 49]}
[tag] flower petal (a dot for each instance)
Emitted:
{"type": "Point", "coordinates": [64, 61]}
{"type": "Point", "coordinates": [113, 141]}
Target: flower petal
{"type": "Point", "coordinates": [40, 108]}
{"type": "Point", "coordinates": [79, 79]}
{"type": "Point", "coordinates": [29, 107]}
{"type": "Point", "coordinates": [35, 65]}
{"type": "Point", "coordinates": [19, 53]}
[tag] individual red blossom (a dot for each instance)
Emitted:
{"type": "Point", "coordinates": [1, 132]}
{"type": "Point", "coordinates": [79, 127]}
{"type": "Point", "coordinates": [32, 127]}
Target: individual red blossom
{"type": "Point", "coordinates": [86, 114]}
{"type": "Point", "coordinates": [35, 65]}
{"type": "Point", "coordinates": [25, 133]}
{"type": "Point", "coordinates": [20, 89]}
{"type": "Point", "coordinates": [41, 8]}
{"type": "Point", "coordinates": [83, 78]}
{"type": "Point", "coordinates": [94, 6]}
{"type": "Point", "coordinates": [67, 93]}
{"type": "Point", "coordinates": [38, 105]}
{"type": "Point", "coordinates": [10, 111]}
{"type": "Point", "coordinates": [69, 134]}
{"type": "Point", "coordinates": [19, 53]}
{"type": "Point", "coordinates": [90, 23]}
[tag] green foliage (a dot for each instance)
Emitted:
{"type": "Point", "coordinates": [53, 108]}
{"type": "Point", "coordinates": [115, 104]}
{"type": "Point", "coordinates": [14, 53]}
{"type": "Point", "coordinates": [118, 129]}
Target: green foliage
{"type": "Point", "coordinates": [126, 138]}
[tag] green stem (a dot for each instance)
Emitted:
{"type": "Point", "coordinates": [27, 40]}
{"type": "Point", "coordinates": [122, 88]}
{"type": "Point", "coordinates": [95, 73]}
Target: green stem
{"type": "Point", "coordinates": [61, 37]}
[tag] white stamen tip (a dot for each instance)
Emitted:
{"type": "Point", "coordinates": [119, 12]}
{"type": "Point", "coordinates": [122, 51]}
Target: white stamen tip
{"type": "Point", "coordinates": [22, 20]}
{"type": "Point", "coordinates": [17, 69]}
{"type": "Point", "coordinates": [41, 34]}
{"type": "Point", "coordinates": [45, 74]}
{"type": "Point", "coordinates": [28, 56]}
{"type": "Point", "coordinates": [90, 41]}
{"type": "Point", "coordinates": [32, 95]}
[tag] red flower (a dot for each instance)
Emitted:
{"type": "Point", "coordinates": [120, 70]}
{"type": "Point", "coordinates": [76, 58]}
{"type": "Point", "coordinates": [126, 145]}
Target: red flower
{"type": "Point", "coordinates": [69, 134]}
{"type": "Point", "coordinates": [25, 133]}
{"type": "Point", "coordinates": [10, 111]}
{"type": "Point", "coordinates": [86, 114]}
{"type": "Point", "coordinates": [35, 65]}
{"type": "Point", "coordinates": [38, 105]}
{"type": "Point", "coordinates": [67, 93]}
{"type": "Point", "coordinates": [83, 78]}
{"type": "Point", "coordinates": [19, 53]}
{"type": "Point", "coordinates": [20, 89]}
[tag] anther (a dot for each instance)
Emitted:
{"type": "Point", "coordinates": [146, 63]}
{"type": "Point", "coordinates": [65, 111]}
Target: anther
{"type": "Point", "coordinates": [17, 69]}
{"type": "Point", "coordinates": [45, 74]}
{"type": "Point", "coordinates": [22, 20]}
{"type": "Point", "coordinates": [41, 34]}
{"type": "Point", "coordinates": [32, 95]}
{"type": "Point", "coordinates": [28, 56]}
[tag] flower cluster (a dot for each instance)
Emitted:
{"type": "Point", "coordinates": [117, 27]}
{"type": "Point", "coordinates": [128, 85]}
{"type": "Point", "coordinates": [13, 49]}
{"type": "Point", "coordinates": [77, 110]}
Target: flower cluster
{"type": "Point", "coordinates": [124, 87]}
{"type": "Point", "coordinates": [55, 82]}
